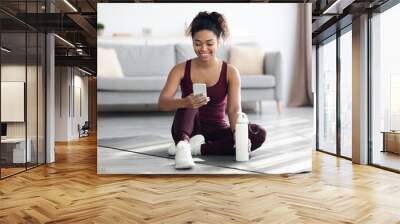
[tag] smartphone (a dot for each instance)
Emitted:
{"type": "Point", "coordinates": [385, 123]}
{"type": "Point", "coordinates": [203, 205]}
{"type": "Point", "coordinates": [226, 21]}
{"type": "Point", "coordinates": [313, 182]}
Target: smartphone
{"type": "Point", "coordinates": [199, 88]}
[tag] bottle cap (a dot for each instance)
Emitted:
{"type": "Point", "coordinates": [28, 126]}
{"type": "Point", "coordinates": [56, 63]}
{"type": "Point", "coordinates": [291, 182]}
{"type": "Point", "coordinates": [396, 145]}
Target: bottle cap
{"type": "Point", "coordinates": [242, 118]}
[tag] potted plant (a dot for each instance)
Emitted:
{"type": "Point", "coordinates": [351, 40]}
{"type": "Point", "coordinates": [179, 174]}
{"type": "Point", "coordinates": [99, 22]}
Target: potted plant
{"type": "Point", "coordinates": [100, 29]}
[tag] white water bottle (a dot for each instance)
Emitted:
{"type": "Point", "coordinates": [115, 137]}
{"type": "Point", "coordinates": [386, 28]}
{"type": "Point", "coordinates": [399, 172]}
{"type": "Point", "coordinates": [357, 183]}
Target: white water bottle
{"type": "Point", "coordinates": [242, 137]}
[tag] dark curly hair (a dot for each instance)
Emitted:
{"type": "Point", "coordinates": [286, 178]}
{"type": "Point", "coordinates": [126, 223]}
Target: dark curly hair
{"type": "Point", "coordinates": [213, 21]}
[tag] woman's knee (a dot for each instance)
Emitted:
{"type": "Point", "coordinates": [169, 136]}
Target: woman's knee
{"type": "Point", "coordinates": [257, 135]}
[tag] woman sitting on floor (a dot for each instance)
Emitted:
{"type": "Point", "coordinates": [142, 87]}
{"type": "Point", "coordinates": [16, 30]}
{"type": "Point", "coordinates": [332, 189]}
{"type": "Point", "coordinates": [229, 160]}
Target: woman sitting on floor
{"type": "Point", "coordinates": [199, 127]}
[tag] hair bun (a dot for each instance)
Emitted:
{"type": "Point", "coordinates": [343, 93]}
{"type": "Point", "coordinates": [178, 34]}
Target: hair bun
{"type": "Point", "coordinates": [215, 16]}
{"type": "Point", "coordinates": [204, 19]}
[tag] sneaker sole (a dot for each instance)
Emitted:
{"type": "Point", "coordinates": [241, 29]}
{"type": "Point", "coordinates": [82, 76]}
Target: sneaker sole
{"type": "Point", "coordinates": [188, 165]}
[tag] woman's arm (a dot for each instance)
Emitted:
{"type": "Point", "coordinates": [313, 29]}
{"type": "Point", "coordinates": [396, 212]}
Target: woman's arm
{"type": "Point", "coordinates": [234, 97]}
{"type": "Point", "coordinates": [167, 101]}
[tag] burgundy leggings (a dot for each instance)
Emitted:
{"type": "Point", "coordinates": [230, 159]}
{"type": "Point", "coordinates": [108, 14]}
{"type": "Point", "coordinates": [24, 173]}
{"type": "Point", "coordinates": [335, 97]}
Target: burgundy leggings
{"type": "Point", "coordinates": [219, 137]}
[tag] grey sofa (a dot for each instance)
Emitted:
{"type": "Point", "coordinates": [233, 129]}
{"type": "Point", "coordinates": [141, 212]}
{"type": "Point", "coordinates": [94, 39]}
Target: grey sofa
{"type": "Point", "coordinates": [146, 69]}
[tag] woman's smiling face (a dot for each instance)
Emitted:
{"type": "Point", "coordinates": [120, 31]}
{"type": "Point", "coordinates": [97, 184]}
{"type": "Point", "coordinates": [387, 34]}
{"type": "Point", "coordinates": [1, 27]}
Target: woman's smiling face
{"type": "Point", "coordinates": [205, 44]}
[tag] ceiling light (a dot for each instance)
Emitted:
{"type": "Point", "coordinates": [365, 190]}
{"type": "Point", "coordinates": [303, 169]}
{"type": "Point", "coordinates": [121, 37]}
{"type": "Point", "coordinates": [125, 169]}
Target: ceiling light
{"type": "Point", "coordinates": [70, 5]}
{"type": "Point", "coordinates": [5, 50]}
{"type": "Point", "coordinates": [79, 51]}
{"type": "Point", "coordinates": [337, 7]}
{"type": "Point", "coordinates": [84, 71]}
{"type": "Point", "coordinates": [64, 40]}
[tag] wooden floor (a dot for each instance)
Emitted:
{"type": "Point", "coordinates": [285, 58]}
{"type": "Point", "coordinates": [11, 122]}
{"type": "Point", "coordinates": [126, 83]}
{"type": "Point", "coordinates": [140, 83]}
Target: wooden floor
{"type": "Point", "coordinates": [10, 171]}
{"type": "Point", "coordinates": [70, 191]}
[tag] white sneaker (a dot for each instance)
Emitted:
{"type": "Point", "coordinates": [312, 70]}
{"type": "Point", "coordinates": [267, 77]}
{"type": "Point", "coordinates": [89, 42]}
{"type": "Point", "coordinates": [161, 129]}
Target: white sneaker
{"type": "Point", "coordinates": [172, 149]}
{"type": "Point", "coordinates": [183, 157]}
{"type": "Point", "coordinates": [195, 143]}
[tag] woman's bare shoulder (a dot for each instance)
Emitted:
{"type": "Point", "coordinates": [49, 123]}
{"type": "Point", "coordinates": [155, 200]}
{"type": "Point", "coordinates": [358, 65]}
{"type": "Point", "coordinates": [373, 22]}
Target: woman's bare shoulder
{"type": "Point", "coordinates": [178, 69]}
{"type": "Point", "coordinates": [232, 71]}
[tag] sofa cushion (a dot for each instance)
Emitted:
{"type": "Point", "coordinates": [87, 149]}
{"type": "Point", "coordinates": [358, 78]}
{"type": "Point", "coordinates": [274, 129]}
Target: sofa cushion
{"type": "Point", "coordinates": [108, 64]}
{"type": "Point", "coordinates": [137, 83]}
{"type": "Point", "coordinates": [153, 83]}
{"type": "Point", "coordinates": [185, 52]}
{"type": "Point", "coordinates": [223, 52]}
{"type": "Point", "coordinates": [247, 59]}
{"type": "Point", "coordinates": [257, 81]}
{"type": "Point", "coordinates": [146, 60]}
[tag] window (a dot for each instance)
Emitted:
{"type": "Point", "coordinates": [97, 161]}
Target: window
{"type": "Point", "coordinates": [327, 96]}
{"type": "Point", "coordinates": [385, 89]}
{"type": "Point", "coordinates": [346, 93]}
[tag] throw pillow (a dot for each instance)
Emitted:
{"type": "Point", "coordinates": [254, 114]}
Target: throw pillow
{"type": "Point", "coordinates": [107, 63]}
{"type": "Point", "coordinates": [184, 52]}
{"type": "Point", "coordinates": [247, 59]}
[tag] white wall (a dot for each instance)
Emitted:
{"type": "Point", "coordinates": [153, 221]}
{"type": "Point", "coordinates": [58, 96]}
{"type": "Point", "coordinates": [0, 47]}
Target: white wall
{"type": "Point", "coordinates": [68, 82]}
{"type": "Point", "coordinates": [81, 84]}
{"type": "Point", "coordinates": [62, 82]}
{"type": "Point", "coordinates": [276, 27]}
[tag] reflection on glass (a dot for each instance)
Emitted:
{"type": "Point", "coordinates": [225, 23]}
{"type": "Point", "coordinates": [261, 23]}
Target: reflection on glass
{"type": "Point", "coordinates": [346, 94]}
{"type": "Point", "coordinates": [394, 102]}
{"type": "Point", "coordinates": [327, 97]}
{"type": "Point", "coordinates": [386, 89]}
{"type": "Point", "coordinates": [22, 90]}
{"type": "Point", "coordinates": [14, 147]}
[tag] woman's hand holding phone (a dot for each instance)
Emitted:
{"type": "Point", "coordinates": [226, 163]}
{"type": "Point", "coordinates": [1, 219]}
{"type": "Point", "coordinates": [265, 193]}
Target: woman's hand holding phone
{"type": "Point", "coordinates": [196, 101]}
{"type": "Point", "coordinates": [199, 96]}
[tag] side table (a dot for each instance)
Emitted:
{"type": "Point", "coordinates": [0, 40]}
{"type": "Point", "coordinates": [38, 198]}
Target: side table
{"type": "Point", "coordinates": [391, 141]}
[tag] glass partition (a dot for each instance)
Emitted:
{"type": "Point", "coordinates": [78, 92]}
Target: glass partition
{"type": "Point", "coordinates": [327, 96]}
{"type": "Point", "coordinates": [14, 153]}
{"type": "Point", "coordinates": [346, 94]}
{"type": "Point", "coordinates": [385, 89]}
{"type": "Point", "coordinates": [22, 78]}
